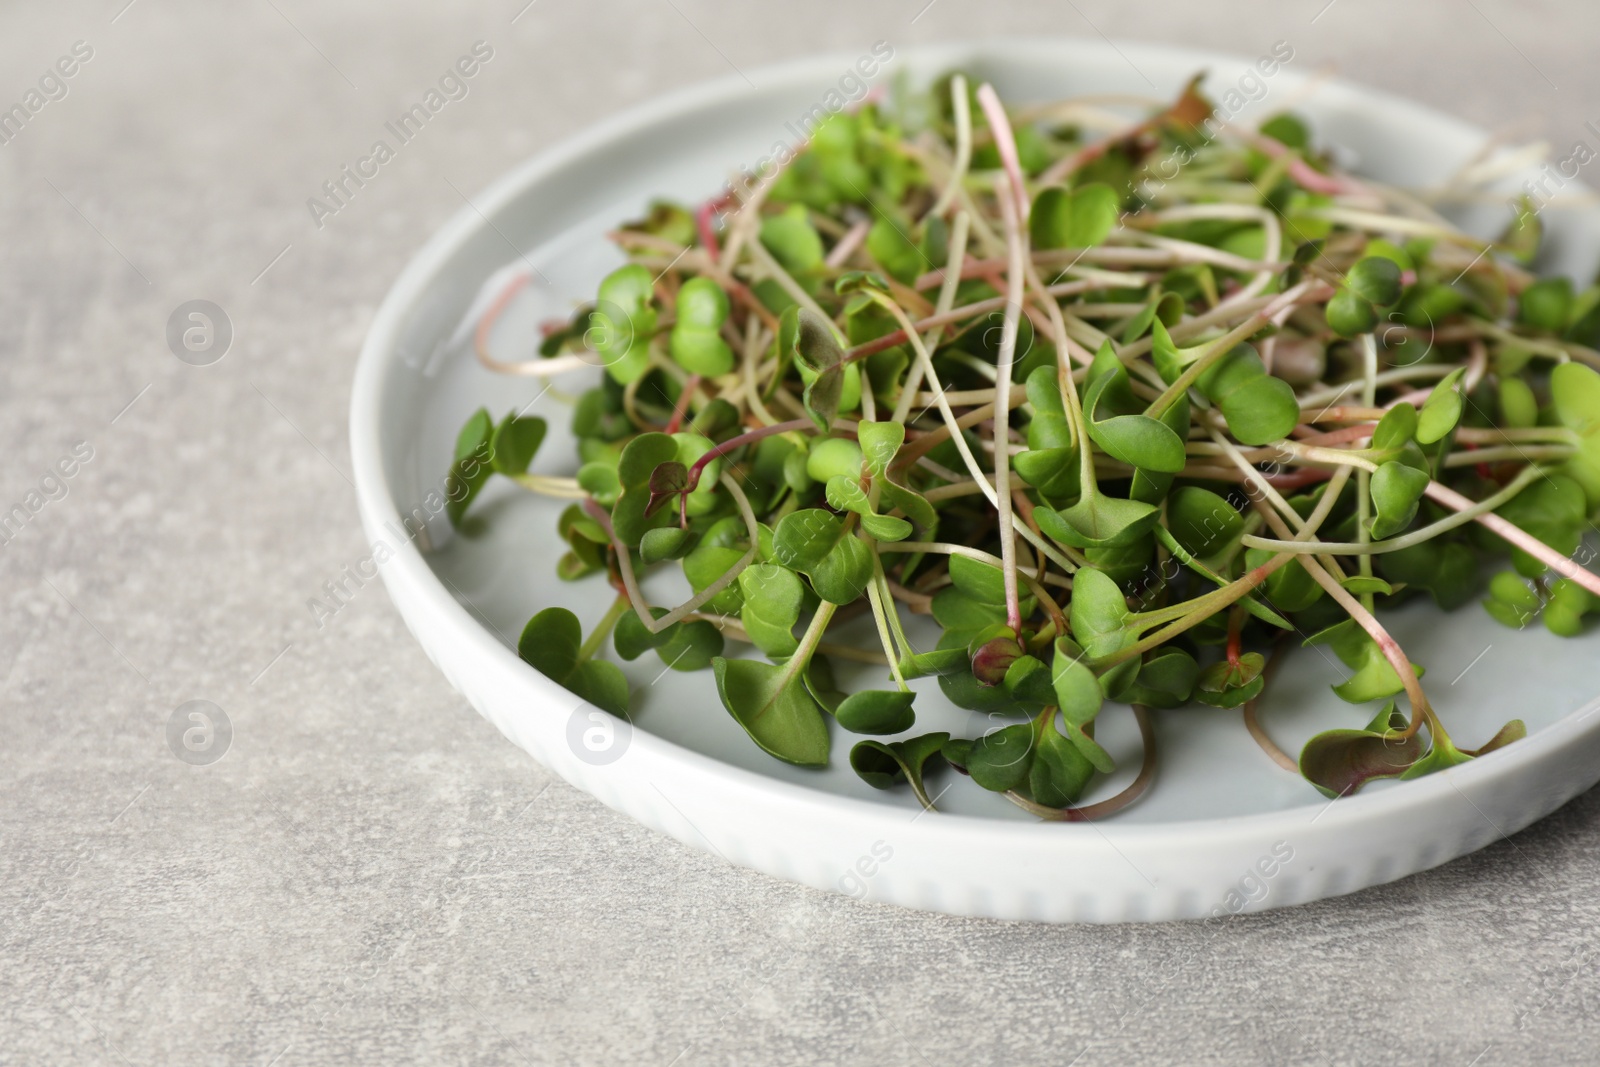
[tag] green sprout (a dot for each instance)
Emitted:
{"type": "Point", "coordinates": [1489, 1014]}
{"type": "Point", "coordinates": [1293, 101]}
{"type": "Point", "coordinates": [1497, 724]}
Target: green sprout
{"type": "Point", "coordinates": [1116, 434]}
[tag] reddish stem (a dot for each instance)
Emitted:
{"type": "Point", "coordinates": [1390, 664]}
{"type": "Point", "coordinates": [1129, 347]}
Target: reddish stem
{"type": "Point", "coordinates": [1304, 174]}
{"type": "Point", "coordinates": [738, 442]}
{"type": "Point", "coordinates": [1517, 536]}
{"type": "Point", "coordinates": [492, 313]}
{"type": "Point", "coordinates": [1235, 636]}
{"type": "Point", "coordinates": [702, 223]}
{"type": "Point", "coordinates": [1303, 477]}
{"type": "Point", "coordinates": [682, 407]}
{"type": "Point", "coordinates": [1136, 788]}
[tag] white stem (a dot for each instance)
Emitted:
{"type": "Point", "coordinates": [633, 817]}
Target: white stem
{"type": "Point", "coordinates": [1016, 281]}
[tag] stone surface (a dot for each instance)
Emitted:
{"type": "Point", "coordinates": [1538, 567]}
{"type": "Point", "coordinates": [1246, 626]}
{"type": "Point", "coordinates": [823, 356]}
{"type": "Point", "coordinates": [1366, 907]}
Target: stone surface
{"type": "Point", "coordinates": [371, 873]}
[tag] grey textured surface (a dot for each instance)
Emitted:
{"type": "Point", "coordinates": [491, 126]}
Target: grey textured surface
{"type": "Point", "coordinates": [372, 874]}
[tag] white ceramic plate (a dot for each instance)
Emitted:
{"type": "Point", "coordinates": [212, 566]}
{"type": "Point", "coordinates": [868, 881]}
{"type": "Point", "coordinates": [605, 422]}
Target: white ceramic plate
{"type": "Point", "coordinates": [1223, 830]}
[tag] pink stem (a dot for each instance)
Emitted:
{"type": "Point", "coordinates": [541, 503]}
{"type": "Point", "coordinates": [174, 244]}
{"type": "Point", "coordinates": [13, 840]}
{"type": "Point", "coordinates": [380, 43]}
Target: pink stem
{"type": "Point", "coordinates": [682, 408]}
{"type": "Point", "coordinates": [1305, 175]}
{"type": "Point", "coordinates": [1523, 540]}
{"type": "Point", "coordinates": [738, 442]}
{"type": "Point", "coordinates": [848, 244]}
{"type": "Point", "coordinates": [708, 232]}
{"type": "Point", "coordinates": [1006, 143]}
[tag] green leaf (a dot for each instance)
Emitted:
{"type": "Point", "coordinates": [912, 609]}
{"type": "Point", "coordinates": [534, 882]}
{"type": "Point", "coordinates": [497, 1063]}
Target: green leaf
{"type": "Point", "coordinates": [793, 241]}
{"type": "Point", "coordinates": [1546, 304]}
{"type": "Point", "coordinates": [1569, 602]}
{"type": "Point", "coordinates": [956, 751]}
{"type": "Point", "coordinates": [879, 441]}
{"type": "Point", "coordinates": [1515, 730]}
{"type": "Point", "coordinates": [1375, 279]}
{"type": "Point", "coordinates": [1166, 680]}
{"type": "Point", "coordinates": [1552, 509]}
{"type": "Point", "coordinates": [1397, 490]}
{"type": "Point", "coordinates": [630, 516]}
{"type": "Point", "coordinates": [965, 691]}
{"type": "Point", "coordinates": [982, 581]}
{"type": "Point", "coordinates": [668, 542]}
{"type": "Point", "coordinates": [1052, 471]}
{"type": "Point", "coordinates": [1375, 677]}
{"type": "Point", "coordinates": [1289, 588]}
{"type": "Point", "coordinates": [1098, 521]}
{"type": "Point", "coordinates": [1257, 407]}
{"type": "Point", "coordinates": [1080, 218]}
{"type": "Point", "coordinates": [632, 639]}
{"type": "Point", "coordinates": [810, 341]}
{"type": "Point", "coordinates": [1387, 250]}
{"type": "Point", "coordinates": [1001, 760]}
{"type": "Point", "coordinates": [1396, 428]}
{"type": "Point", "coordinates": [1028, 682]}
{"type": "Point", "coordinates": [820, 683]}
{"type": "Point", "coordinates": [885, 527]}
{"type": "Point", "coordinates": [1361, 585]}
{"type": "Point", "coordinates": [601, 684]}
{"type": "Point", "coordinates": [1575, 395]}
{"type": "Point", "coordinates": [709, 562]}
{"type": "Point", "coordinates": [1228, 685]}
{"type": "Point", "coordinates": [773, 597]}
{"type": "Point", "coordinates": [585, 538]}
{"type": "Point", "coordinates": [1165, 307]}
{"type": "Point", "coordinates": [892, 250]}
{"type": "Point", "coordinates": [834, 457]}
{"type": "Point", "coordinates": [804, 538]}
{"type": "Point", "coordinates": [817, 544]}
{"type": "Point", "coordinates": [1051, 464]}
{"type": "Point", "coordinates": [1448, 571]}
{"type": "Point", "coordinates": [877, 711]}
{"type": "Point", "coordinates": [1442, 410]}
{"type": "Point", "coordinates": [1519, 408]}
{"type": "Point", "coordinates": [1201, 521]}
{"type": "Point", "coordinates": [1077, 690]}
{"type": "Point", "coordinates": [1339, 762]}
{"type": "Point", "coordinates": [881, 765]}
{"type": "Point", "coordinates": [1288, 130]}
{"type": "Point", "coordinates": [471, 467]}
{"type": "Point", "coordinates": [914, 504]}
{"type": "Point", "coordinates": [845, 494]}
{"type": "Point", "coordinates": [550, 643]}
{"type": "Point", "coordinates": [1511, 602]}
{"type": "Point", "coordinates": [599, 480]}
{"type": "Point", "coordinates": [1135, 439]}
{"type": "Point", "coordinates": [775, 709]}
{"type": "Point", "coordinates": [1060, 772]}
{"type": "Point", "coordinates": [960, 613]}
{"type": "Point", "coordinates": [1099, 615]}
{"type": "Point", "coordinates": [623, 321]}
{"type": "Point", "coordinates": [1441, 755]}
{"type": "Point", "coordinates": [515, 442]}
{"type": "Point", "coordinates": [696, 343]}
{"type": "Point", "coordinates": [1170, 360]}
{"type": "Point", "coordinates": [940, 661]}
{"type": "Point", "coordinates": [693, 646]}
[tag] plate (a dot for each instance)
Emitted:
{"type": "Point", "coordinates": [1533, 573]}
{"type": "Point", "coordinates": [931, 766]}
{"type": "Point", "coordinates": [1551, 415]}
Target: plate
{"type": "Point", "coordinates": [1223, 830]}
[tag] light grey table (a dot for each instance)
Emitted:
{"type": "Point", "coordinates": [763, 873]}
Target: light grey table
{"type": "Point", "coordinates": [371, 873]}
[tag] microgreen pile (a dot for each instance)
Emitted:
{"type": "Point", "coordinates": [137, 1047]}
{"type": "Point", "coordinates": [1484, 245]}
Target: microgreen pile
{"type": "Point", "coordinates": [1127, 405]}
